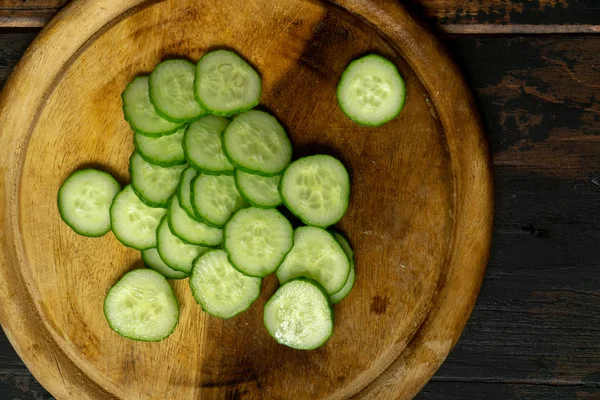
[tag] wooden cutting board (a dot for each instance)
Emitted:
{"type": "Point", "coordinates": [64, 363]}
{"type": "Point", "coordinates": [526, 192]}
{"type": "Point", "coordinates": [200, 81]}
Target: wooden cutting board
{"type": "Point", "coordinates": [420, 215]}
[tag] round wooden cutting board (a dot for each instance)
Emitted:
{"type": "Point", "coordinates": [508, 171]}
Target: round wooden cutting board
{"type": "Point", "coordinates": [420, 214]}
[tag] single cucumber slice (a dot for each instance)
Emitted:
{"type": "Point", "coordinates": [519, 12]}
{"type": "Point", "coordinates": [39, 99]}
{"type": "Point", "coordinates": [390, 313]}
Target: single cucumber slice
{"type": "Point", "coordinates": [255, 142]}
{"type": "Point", "coordinates": [215, 198]}
{"type": "Point", "coordinates": [84, 201]}
{"type": "Point", "coordinates": [184, 192]}
{"type": "Point", "coordinates": [202, 145]}
{"type": "Point", "coordinates": [221, 289]}
{"type": "Point", "coordinates": [316, 189]}
{"type": "Point", "coordinates": [140, 112]}
{"type": "Point", "coordinates": [371, 91]}
{"type": "Point", "coordinates": [172, 91]}
{"type": "Point", "coordinates": [344, 291]}
{"type": "Point", "coordinates": [257, 240]}
{"type": "Point", "coordinates": [226, 84]}
{"type": "Point", "coordinates": [316, 255]}
{"type": "Point", "coordinates": [177, 254]}
{"type": "Point", "coordinates": [165, 151]}
{"type": "Point", "coordinates": [133, 222]}
{"type": "Point", "coordinates": [153, 261]}
{"type": "Point", "coordinates": [260, 191]}
{"type": "Point", "coordinates": [155, 184]}
{"type": "Point", "coordinates": [189, 230]}
{"type": "Point", "coordinates": [142, 306]}
{"type": "Point", "coordinates": [299, 315]}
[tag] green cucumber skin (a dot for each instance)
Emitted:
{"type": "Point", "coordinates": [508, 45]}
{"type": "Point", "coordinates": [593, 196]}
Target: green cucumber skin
{"type": "Point", "coordinates": [140, 131]}
{"type": "Point", "coordinates": [244, 169]}
{"type": "Point", "coordinates": [227, 114]}
{"type": "Point", "coordinates": [296, 214]}
{"type": "Point", "coordinates": [127, 243]}
{"type": "Point", "coordinates": [374, 125]}
{"type": "Point", "coordinates": [154, 161]}
{"type": "Point", "coordinates": [352, 265]}
{"type": "Point", "coordinates": [196, 209]}
{"type": "Point", "coordinates": [199, 302]}
{"type": "Point", "coordinates": [144, 200]}
{"type": "Point", "coordinates": [196, 166]}
{"type": "Point", "coordinates": [252, 203]}
{"type": "Point", "coordinates": [147, 264]}
{"type": "Point", "coordinates": [318, 286]}
{"type": "Point", "coordinates": [179, 196]}
{"type": "Point", "coordinates": [180, 238]}
{"type": "Point", "coordinates": [60, 207]}
{"type": "Point", "coordinates": [162, 114]}
{"type": "Point", "coordinates": [141, 340]}
{"type": "Point", "coordinates": [224, 245]}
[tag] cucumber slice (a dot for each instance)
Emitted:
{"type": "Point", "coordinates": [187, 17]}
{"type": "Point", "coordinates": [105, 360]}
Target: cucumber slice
{"type": "Point", "coordinates": [219, 288]}
{"type": "Point", "coordinates": [133, 222]}
{"type": "Point", "coordinates": [142, 306]}
{"type": "Point", "coordinates": [184, 192]}
{"type": "Point", "coordinates": [165, 151]}
{"type": "Point", "coordinates": [202, 144]}
{"type": "Point", "coordinates": [190, 230]}
{"type": "Point", "coordinates": [140, 112]}
{"type": "Point", "coordinates": [371, 91]}
{"type": "Point", "coordinates": [153, 261]}
{"type": "Point", "coordinates": [316, 189]}
{"type": "Point", "coordinates": [84, 201]}
{"type": "Point", "coordinates": [344, 291]}
{"type": "Point", "coordinates": [255, 142]}
{"type": "Point", "coordinates": [177, 254]}
{"type": "Point", "coordinates": [259, 191]}
{"type": "Point", "coordinates": [215, 198]}
{"type": "Point", "coordinates": [316, 255]}
{"type": "Point", "coordinates": [155, 184]}
{"type": "Point", "coordinates": [226, 84]}
{"type": "Point", "coordinates": [257, 240]}
{"type": "Point", "coordinates": [299, 315]}
{"type": "Point", "coordinates": [172, 91]}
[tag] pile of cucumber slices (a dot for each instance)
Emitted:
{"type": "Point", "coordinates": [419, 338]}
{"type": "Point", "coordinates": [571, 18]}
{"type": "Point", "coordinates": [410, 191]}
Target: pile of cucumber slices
{"type": "Point", "coordinates": [209, 176]}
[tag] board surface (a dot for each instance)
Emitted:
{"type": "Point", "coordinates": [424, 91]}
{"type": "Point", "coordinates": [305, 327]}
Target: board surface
{"type": "Point", "coordinates": [419, 220]}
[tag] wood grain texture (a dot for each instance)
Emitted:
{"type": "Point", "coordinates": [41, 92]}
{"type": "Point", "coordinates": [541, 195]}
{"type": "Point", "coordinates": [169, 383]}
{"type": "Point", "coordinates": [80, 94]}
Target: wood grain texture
{"type": "Point", "coordinates": [449, 16]}
{"type": "Point", "coordinates": [532, 333]}
{"type": "Point", "coordinates": [420, 260]}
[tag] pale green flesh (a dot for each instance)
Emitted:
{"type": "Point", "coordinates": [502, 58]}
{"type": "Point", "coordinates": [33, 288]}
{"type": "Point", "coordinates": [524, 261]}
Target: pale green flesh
{"type": "Point", "coordinates": [316, 189]}
{"type": "Point", "coordinates": [133, 222]}
{"type": "Point", "coordinates": [152, 260]}
{"type": "Point", "coordinates": [261, 191]}
{"type": "Point", "coordinates": [190, 230]}
{"type": "Point", "coordinates": [298, 315]}
{"type": "Point", "coordinates": [161, 150]}
{"type": "Point", "coordinates": [219, 288]}
{"type": "Point", "coordinates": [84, 201]}
{"type": "Point", "coordinates": [215, 198]}
{"type": "Point", "coordinates": [316, 255]}
{"type": "Point", "coordinates": [256, 142]}
{"type": "Point", "coordinates": [343, 292]}
{"type": "Point", "coordinates": [257, 240]}
{"type": "Point", "coordinates": [177, 254]}
{"type": "Point", "coordinates": [155, 183]}
{"type": "Point", "coordinates": [172, 90]}
{"type": "Point", "coordinates": [202, 144]}
{"type": "Point", "coordinates": [140, 112]}
{"type": "Point", "coordinates": [226, 84]}
{"type": "Point", "coordinates": [184, 192]}
{"type": "Point", "coordinates": [142, 306]}
{"type": "Point", "coordinates": [371, 91]}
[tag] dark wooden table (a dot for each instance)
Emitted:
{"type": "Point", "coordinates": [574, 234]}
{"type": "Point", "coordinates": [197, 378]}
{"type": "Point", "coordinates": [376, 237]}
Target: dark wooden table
{"type": "Point", "coordinates": [535, 69]}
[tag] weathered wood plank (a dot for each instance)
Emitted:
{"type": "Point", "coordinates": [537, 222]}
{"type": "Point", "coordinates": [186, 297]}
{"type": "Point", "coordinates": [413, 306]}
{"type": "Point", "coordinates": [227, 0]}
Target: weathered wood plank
{"type": "Point", "coordinates": [441, 390]}
{"type": "Point", "coordinates": [21, 386]}
{"type": "Point", "coordinates": [450, 16]}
